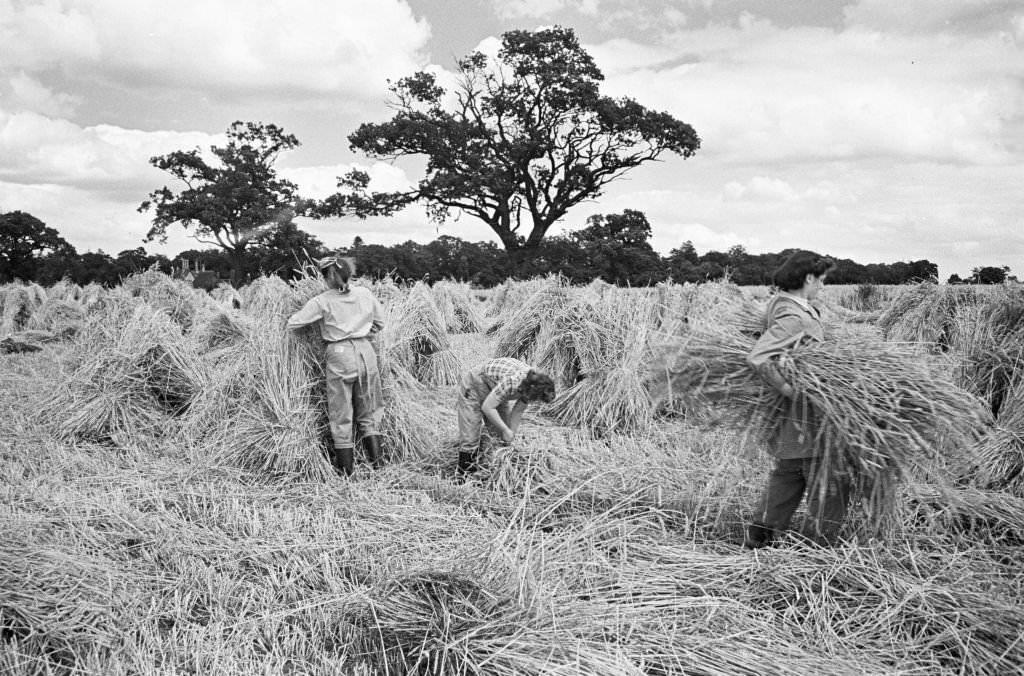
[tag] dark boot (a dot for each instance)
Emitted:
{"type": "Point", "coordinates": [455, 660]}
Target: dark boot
{"type": "Point", "coordinates": [371, 443]}
{"type": "Point", "coordinates": [467, 465]}
{"type": "Point", "coordinates": [344, 460]}
{"type": "Point", "coordinates": [757, 536]}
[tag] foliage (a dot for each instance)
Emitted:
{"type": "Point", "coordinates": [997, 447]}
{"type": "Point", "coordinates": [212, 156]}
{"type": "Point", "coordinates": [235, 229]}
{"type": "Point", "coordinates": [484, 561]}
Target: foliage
{"type": "Point", "coordinates": [24, 239]}
{"type": "Point", "coordinates": [228, 202]}
{"type": "Point", "coordinates": [990, 274]}
{"type": "Point", "coordinates": [525, 133]}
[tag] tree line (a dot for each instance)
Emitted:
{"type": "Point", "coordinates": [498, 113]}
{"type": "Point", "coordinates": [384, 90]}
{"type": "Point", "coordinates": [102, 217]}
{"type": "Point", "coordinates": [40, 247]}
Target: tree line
{"type": "Point", "coordinates": [615, 248]}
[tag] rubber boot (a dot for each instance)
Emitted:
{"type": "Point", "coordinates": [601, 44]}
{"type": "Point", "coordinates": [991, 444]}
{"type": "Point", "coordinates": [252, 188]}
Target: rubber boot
{"type": "Point", "coordinates": [757, 536]}
{"type": "Point", "coordinates": [344, 460]}
{"type": "Point", "coordinates": [467, 465]}
{"type": "Point", "coordinates": [371, 443]}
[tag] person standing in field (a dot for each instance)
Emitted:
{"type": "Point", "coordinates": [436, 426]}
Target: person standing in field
{"type": "Point", "coordinates": [487, 393]}
{"type": "Point", "coordinates": [791, 320]}
{"type": "Point", "coordinates": [347, 317]}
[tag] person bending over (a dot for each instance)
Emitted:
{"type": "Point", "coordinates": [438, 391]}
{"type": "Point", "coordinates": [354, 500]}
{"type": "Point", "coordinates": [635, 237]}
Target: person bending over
{"type": "Point", "coordinates": [496, 392]}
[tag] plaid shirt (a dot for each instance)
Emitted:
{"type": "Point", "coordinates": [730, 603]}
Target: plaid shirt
{"type": "Point", "coordinates": [504, 375]}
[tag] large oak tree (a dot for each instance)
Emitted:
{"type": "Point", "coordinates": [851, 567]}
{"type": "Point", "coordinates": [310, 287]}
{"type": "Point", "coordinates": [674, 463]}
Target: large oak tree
{"type": "Point", "coordinates": [522, 138]}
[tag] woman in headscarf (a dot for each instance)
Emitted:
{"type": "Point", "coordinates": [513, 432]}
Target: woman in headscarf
{"type": "Point", "coordinates": [347, 317]}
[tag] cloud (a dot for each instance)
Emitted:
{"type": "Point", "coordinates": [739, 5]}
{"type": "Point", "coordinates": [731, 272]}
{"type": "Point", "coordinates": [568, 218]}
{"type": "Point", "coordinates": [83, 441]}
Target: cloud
{"type": "Point", "coordinates": [934, 16]}
{"type": "Point", "coordinates": [29, 94]}
{"type": "Point", "coordinates": [217, 46]}
{"type": "Point", "coordinates": [518, 9]}
{"type": "Point", "coordinates": [757, 92]}
{"type": "Point", "coordinates": [35, 149]}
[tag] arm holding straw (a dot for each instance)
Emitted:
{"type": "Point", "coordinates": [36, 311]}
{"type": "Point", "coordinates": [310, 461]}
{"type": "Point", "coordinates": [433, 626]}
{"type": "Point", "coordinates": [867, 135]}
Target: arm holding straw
{"type": "Point", "coordinates": [783, 333]}
{"type": "Point", "coordinates": [310, 313]}
{"type": "Point", "coordinates": [490, 411]}
{"type": "Point", "coordinates": [378, 316]}
{"type": "Point", "coordinates": [516, 415]}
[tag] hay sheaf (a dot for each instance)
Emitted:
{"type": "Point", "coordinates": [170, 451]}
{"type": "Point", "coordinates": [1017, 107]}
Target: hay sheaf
{"type": "Point", "coordinates": [177, 298]}
{"type": "Point", "coordinates": [132, 372]}
{"type": "Point", "coordinates": [63, 318]}
{"type": "Point", "coordinates": [265, 409]}
{"type": "Point", "coordinates": [602, 348]}
{"type": "Point", "coordinates": [925, 313]}
{"type": "Point", "coordinates": [999, 456]}
{"type": "Point", "coordinates": [414, 338]}
{"type": "Point", "coordinates": [455, 303]}
{"type": "Point", "coordinates": [988, 343]}
{"type": "Point", "coordinates": [517, 335]}
{"type": "Point", "coordinates": [880, 412]}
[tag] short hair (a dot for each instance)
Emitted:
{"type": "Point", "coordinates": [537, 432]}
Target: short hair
{"type": "Point", "coordinates": [793, 272]}
{"type": "Point", "coordinates": [537, 386]}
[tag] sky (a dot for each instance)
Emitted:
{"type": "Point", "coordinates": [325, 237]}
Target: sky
{"type": "Point", "coordinates": [873, 130]}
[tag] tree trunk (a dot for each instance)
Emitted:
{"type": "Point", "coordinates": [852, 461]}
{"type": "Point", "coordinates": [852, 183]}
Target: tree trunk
{"type": "Point", "coordinates": [237, 256]}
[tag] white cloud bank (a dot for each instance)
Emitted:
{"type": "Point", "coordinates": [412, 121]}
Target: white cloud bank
{"type": "Point", "coordinates": [217, 46]}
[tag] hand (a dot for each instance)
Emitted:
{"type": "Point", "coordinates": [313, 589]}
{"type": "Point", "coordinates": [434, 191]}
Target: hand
{"type": "Point", "coordinates": [507, 435]}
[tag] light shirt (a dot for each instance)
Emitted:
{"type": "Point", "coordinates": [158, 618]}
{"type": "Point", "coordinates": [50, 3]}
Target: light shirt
{"type": "Point", "coordinates": [355, 314]}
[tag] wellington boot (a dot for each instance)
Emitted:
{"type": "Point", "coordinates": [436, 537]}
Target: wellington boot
{"type": "Point", "coordinates": [371, 443]}
{"type": "Point", "coordinates": [344, 460]}
{"type": "Point", "coordinates": [467, 465]}
{"type": "Point", "coordinates": [757, 536]}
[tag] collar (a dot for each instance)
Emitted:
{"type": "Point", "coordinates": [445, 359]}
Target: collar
{"type": "Point", "coordinates": [802, 302]}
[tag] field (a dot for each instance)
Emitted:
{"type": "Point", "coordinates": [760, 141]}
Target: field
{"type": "Point", "coordinates": [168, 507]}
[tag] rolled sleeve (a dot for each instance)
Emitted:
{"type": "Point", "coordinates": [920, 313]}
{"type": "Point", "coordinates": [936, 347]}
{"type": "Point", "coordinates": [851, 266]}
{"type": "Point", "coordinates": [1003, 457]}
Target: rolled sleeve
{"type": "Point", "coordinates": [310, 313]}
{"type": "Point", "coordinates": [378, 316]}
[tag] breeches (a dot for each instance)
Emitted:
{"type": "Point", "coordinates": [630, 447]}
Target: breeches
{"type": "Point", "coordinates": [469, 409]}
{"type": "Point", "coordinates": [354, 398]}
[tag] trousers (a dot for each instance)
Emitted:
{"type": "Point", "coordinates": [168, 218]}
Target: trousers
{"type": "Point", "coordinates": [354, 397]}
{"type": "Point", "coordinates": [789, 480]}
{"type": "Point", "coordinates": [469, 410]}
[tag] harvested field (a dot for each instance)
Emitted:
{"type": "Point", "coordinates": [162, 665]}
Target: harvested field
{"type": "Point", "coordinates": [167, 506]}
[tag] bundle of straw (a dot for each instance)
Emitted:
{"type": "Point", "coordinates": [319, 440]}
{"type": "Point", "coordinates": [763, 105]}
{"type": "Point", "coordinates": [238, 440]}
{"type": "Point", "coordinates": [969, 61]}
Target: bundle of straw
{"type": "Point", "coordinates": [16, 306]}
{"type": "Point", "coordinates": [226, 296]}
{"type": "Point", "coordinates": [435, 620]}
{"type": "Point", "coordinates": [879, 410]}
{"type": "Point", "coordinates": [131, 369]}
{"type": "Point", "coordinates": [924, 313]}
{"type": "Point", "coordinates": [214, 330]}
{"type": "Point", "coordinates": [988, 342]}
{"type": "Point", "coordinates": [276, 422]}
{"type": "Point", "coordinates": [61, 317]}
{"type": "Point", "coordinates": [71, 601]}
{"type": "Point", "coordinates": [65, 290]}
{"type": "Point", "coordinates": [517, 337]}
{"type": "Point", "coordinates": [269, 297]}
{"type": "Point", "coordinates": [414, 337]}
{"type": "Point", "coordinates": [457, 309]}
{"type": "Point", "coordinates": [177, 298]}
{"type": "Point", "coordinates": [999, 457]}
{"type": "Point", "coordinates": [608, 345]}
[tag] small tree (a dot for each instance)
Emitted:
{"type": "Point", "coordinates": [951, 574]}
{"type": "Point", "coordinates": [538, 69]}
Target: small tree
{"type": "Point", "coordinates": [525, 134]}
{"type": "Point", "coordinates": [24, 241]}
{"type": "Point", "coordinates": [990, 274]}
{"type": "Point", "coordinates": [226, 203]}
{"type": "Point", "coordinates": [618, 249]}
